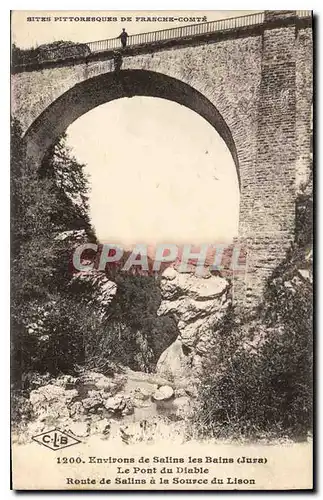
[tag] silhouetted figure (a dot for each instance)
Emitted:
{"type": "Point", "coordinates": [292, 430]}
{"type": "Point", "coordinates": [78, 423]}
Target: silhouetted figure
{"type": "Point", "coordinates": [123, 37]}
{"type": "Point", "coordinates": [117, 59]}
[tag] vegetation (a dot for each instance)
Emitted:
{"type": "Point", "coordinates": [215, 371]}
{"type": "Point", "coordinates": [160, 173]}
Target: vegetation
{"type": "Point", "coordinates": [263, 385]}
{"type": "Point", "coordinates": [60, 49]}
{"type": "Point", "coordinates": [42, 205]}
{"type": "Point", "coordinates": [133, 334]}
{"type": "Point", "coordinates": [56, 323]}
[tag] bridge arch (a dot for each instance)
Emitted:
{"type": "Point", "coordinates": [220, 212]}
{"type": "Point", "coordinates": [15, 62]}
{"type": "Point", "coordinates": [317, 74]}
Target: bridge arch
{"type": "Point", "coordinates": [107, 87]}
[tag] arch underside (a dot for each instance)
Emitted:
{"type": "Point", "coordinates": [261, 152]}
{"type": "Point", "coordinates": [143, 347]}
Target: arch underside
{"type": "Point", "coordinates": [104, 88]}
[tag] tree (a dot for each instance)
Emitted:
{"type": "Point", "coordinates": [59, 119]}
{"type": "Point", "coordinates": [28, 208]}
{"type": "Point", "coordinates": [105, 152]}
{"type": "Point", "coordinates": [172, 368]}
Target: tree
{"type": "Point", "coordinates": [57, 320]}
{"type": "Point", "coordinates": [69, 186]}
{"type": "Point", "coordinates": [43, 203]}
{"type": "Point", "coordinates": [31, 243]}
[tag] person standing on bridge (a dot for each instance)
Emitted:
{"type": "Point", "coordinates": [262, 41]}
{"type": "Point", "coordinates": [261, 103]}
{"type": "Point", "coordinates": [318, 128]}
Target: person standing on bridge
{"type": "Point", "coordinates": [123, 36]}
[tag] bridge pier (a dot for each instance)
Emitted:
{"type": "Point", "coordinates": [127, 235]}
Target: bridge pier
{"type": "Point", "coordinates": [267, 204]}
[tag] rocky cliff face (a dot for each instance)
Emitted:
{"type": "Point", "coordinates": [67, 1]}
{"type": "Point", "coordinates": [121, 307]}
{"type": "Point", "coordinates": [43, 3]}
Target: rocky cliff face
{"type": "Point", "coordinates": [197, 304]}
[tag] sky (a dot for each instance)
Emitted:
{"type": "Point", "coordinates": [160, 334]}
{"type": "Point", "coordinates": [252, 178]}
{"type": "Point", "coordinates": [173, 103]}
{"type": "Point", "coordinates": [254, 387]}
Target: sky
{"type": "Point", "coordinates": [159, 173]}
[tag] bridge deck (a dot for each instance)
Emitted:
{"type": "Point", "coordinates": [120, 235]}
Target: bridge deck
{"type": "Point", "coordinates": [70, 51]}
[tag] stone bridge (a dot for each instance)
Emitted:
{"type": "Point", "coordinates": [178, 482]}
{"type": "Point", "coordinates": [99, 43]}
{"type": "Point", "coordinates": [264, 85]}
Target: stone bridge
{"type": "Point", "coordinates": [250, 77]}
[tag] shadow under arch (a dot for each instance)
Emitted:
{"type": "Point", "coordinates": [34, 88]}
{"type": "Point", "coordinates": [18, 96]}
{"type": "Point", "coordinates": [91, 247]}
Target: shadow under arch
{"type": "Point", "coordinates": [107, 87]}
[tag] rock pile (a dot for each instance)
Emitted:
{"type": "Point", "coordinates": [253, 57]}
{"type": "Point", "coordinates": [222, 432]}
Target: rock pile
{"type": "Point", "coordinates": [95, 404]}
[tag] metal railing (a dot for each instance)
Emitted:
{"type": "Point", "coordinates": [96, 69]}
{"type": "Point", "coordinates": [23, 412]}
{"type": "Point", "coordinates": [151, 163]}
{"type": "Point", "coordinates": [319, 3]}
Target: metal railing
{"type": "Point", "coordinates": [179, 32]}
{"type": "Point", "coordinates": [187, 31]}
{"type": "Point", "coordinates": [77, 50]}
{"type": "Point", "coordinates": [304, 13]}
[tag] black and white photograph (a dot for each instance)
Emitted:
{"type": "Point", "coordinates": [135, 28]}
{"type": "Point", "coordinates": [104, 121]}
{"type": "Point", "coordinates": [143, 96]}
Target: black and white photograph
{"type": "Point", "coordinates": [161, 194]}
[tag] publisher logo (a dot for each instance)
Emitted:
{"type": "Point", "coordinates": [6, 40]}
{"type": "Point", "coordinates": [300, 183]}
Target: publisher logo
{"type": "Point", "coordinates": [55, 439]}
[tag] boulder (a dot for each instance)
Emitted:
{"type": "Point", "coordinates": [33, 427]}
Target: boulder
{"type": "Point", "coordinates": [198, 304]}
{"type": "Point", "coordinates": [119, 405]}
{"type": "Point", "coordinates": [92, 402]}
{"type": "Point", "coordinates": [172, 363]}
{"type": "Point", "coordinates": [115, 403]}
{"type": "Point", "coordinates": [51, 401]}
{"type": "Point", "coordinates": [164, 393]}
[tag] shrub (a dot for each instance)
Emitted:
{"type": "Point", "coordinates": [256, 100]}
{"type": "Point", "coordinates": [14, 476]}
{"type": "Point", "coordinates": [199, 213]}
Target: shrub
{"type": "Point", "coordinates": [263, 382]}
{"type": "Point", "coordinates": [264, 393]}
